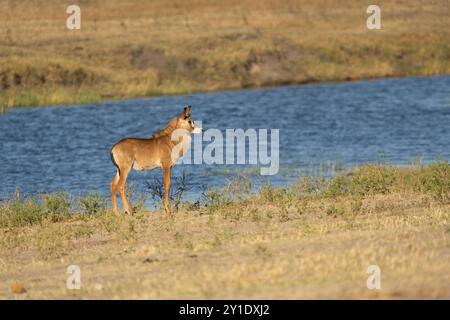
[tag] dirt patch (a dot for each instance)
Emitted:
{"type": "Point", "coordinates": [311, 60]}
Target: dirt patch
{"type": "Point", "coordinates": [279, 66]}
{"type": "Point", "coordinates": [166, 67]}
{"type": "Point", "coordinates": [145, 58]}
{"type": "Point", "coordinates": [50, 74]}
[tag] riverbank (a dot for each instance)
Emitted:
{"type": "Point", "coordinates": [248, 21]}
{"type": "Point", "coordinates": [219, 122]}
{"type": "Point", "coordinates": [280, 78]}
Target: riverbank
{"type": "Point", "coordinates": [131, 48]}
{"type": "Point", "coordinates": [314, 239]}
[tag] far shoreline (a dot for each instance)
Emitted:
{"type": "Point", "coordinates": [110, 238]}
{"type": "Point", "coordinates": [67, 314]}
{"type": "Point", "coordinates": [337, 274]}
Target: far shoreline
{"type": "Point", "coordinates": [346, 80]}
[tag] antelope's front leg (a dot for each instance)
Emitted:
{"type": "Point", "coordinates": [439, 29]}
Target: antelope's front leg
{"type": "Point", "coordinates": [166, 179]}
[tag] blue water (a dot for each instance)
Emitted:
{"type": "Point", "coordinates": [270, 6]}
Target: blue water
{"type": "Point", "coordinates": [323, 127]}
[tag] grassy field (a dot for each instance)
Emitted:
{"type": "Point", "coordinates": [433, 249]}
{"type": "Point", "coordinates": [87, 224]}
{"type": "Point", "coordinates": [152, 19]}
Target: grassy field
{"type": "Point", "coordinates": [132, 48]}
{"type": "Point", "coordinates": [314, 239]}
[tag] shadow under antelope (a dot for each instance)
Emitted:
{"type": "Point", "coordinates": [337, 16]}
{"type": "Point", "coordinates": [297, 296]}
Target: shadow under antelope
{"type": "Point", "coordinates": [162, 150]}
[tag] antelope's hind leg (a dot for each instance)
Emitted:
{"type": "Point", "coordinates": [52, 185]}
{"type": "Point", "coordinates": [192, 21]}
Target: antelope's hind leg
{"type": "Point", "coordinates": [122, 184]}
{"type": "Point", "coordinates": [113, 188]}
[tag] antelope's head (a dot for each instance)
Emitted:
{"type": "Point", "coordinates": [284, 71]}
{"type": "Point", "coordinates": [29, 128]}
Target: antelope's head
{"type": "Point", "coordinates": [186, 122]}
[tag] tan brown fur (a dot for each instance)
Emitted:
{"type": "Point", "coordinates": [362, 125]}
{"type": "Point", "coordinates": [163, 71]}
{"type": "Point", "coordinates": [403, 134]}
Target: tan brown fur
{"type": "Point", "coordinates": [148, 154]}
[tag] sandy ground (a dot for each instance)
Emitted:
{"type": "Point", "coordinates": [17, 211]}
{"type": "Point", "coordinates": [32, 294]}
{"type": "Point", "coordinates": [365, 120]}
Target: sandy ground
{"type": "Point", "coordinates": [250, 252]}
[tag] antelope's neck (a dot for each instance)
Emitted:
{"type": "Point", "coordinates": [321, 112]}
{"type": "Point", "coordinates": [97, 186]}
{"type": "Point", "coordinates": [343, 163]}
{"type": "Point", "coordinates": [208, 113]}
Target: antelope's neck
{"type": "Point", "coordinates": [186, 141]}
{"type": "Point", "coordinates": [183, 143]}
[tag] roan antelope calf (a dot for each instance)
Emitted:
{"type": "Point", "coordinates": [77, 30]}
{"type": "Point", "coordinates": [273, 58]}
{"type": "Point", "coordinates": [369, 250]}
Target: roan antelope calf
{"type": "Point", "coordinates": [162, 150]}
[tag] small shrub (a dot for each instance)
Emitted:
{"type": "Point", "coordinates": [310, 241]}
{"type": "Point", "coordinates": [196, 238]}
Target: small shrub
{"type": "Point", "coordinates": [369, 179]}
{"type": "Point", "coordinates": [230, 197]}
{"type": "Point", "coordinates": [255, 215]}
{"type": "Point", "coordinates": [177, 190]}
{"type": "Point", "coordinates": [310, 185]}
{"type": "Point", "coordinates": [435, 180]}
{"type": "Point", "coordinates": [334, 210]}
{"type": "Point", "coordinates": [273, 195]}
{"type": "Point", "coordinates": [123, 227]}
{"type": "Point", "coordinates": [92, 204]}
{"type": "Point", "coordinates": [191, 206]}
{"type": "Point", "coordinates": [300, 209]}
{"type": "Point", "coordinates": [356, 205]}
{"type": "Point", "coordinates": [214, 200]}
{"type": "Point", "coordinates": [239, 189]}
{"type": "Point", "coordinates": [17, 212]}
{"type": "Point", "coordinates": [266, 193]}
{"type": "Point", "coordinates": [57, 205]}
{"type": "Point", "coordinates": [284, 213]}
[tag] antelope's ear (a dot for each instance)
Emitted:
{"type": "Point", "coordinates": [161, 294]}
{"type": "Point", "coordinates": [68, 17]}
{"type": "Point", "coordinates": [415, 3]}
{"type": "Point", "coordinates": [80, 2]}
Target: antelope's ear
{"type": "Point", "coordinates": [186, 111]}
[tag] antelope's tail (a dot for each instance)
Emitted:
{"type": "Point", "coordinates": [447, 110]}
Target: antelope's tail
{"type": "Point", "coordinates": [111, 154]}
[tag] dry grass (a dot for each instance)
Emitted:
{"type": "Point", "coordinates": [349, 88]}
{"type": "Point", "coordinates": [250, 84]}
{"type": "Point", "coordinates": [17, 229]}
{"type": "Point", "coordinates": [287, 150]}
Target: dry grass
{"type": "Point", "coordinates": [280, 243]}
{"type": "Point", "coordinates": [141, 48]}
